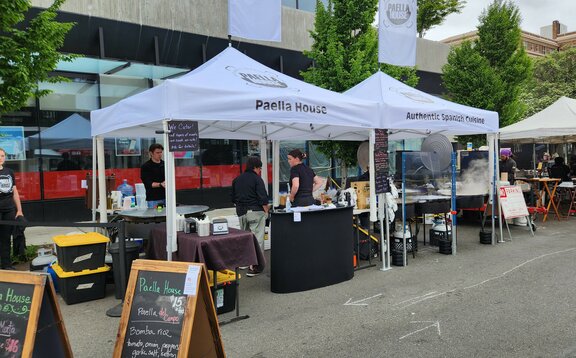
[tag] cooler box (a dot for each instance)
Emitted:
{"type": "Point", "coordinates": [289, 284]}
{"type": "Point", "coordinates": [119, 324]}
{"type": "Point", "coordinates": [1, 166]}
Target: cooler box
{"type": "Point", "coordinates": [81, 286]}
{"type": "Point", "coordinates": [224, 294]}
{"type": "Point", "coordinates": [81, 252]}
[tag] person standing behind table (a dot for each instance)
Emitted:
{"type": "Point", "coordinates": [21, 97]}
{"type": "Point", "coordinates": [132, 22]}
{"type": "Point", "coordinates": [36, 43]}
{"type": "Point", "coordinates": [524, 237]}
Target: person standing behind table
{"type": "Point", "coordinates": [153, 177]}
{"type": "Point", "coordinates": [303, 180]}
{"type": "Point", "coordinates": [507, 164]}
{"type": "Point", "coordinates": [251, 200]}
{"type": "Point", "coordinates": [560, 170]}
{"type": "Point", "coordinates": [10, 209]}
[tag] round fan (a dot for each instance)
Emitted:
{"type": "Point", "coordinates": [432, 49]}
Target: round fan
{"type": "Point", "coordinates": [436, 152]}
{"type": "Point", "coordinates": [362, 156]}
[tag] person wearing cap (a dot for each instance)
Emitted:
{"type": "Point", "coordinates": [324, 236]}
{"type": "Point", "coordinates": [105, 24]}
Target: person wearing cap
{"type": "Point", "coordinates": [507, 164]}
{"type": "Point", "coordinates": [251, 200]}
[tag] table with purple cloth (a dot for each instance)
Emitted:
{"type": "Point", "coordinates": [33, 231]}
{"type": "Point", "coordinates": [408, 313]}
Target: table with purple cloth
{"type": "Point", "coordinates": [235, 249]}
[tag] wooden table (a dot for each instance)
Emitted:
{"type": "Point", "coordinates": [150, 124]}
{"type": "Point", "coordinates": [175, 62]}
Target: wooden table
{"type": "Point", "coordinates": [544, 189]}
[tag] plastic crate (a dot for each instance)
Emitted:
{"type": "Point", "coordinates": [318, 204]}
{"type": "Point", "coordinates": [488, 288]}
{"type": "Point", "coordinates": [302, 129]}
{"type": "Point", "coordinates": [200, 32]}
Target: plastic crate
{"type": "Point", "coordinates": [224, 294]}
{"type": "Point", "coordinates": [81, 286]}
{"type": "Point", "coordinates": [81, 252]}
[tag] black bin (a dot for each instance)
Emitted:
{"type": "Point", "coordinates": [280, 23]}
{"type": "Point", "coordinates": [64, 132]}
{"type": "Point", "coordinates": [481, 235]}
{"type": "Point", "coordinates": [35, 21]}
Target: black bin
{"type": "Point", "coordinates": [132, 253]}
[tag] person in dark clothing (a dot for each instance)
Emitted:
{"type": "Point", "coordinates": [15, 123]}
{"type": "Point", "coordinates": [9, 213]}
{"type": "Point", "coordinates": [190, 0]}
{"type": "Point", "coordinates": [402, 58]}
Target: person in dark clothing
{"type": "Point", "coordinates": [560, 170]}
{"type": "Point", "coordinates": [507, 164]}
{"type": "Point", "coordinates": [153, 177]}
{"type": "Point", "coordinates": [10, 209]}
{"type": "Point", "coordinates": [67, 163]}
{"type": "Point", "coordinates": [251, 200]}
{"type": "Point", "coordinates": [303, 180]}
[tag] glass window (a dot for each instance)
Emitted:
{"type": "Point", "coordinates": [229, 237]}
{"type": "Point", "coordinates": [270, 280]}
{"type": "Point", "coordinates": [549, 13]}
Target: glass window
{"type": "Point", "coordinates": [289, 3]}
{"type": "Point", "coordinates": [77, 95]}
{"type": "Point", "coordinates": [114, 88]}
{"type": "Point", "coordinates": [307, 5]}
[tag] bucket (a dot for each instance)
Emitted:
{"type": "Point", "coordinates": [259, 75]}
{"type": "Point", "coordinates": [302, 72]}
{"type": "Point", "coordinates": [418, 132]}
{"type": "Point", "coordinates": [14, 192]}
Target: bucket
{"type": "Point", "coordinates": [485, 237]}
{"type": "Point", "coordinates": [203, 227]}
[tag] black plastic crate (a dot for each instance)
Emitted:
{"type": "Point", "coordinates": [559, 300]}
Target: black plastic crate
{"type": "Point", "coordinates": [224, 294]}
{"type": "Point", "coordinates": [76, 287]}
{"type": "Point", "coordinates": [80, 252]}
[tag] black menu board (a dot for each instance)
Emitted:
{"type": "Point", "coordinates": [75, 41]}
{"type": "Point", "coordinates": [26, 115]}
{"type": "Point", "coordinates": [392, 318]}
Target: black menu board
{"type": "Point", "coordinates": [30, 319]}
{"type": "Point", "coordinates": [183, 136]}
{"type": "Point", "coordinates": [15, 307]}
{"type": "Point", "coordinates": [155, 321]}
{"type": "Point", "coordinates": [168, 312]}
{"type": "Point", "coordinates": [381, 161]}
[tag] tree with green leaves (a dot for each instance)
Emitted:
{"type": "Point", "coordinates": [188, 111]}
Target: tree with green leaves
{"type": "Point", "coordinates": [491, 72]}
{"type": "Point", "coordinates": [554, 77]}
{"type": "Point", "coordinates": [345, 52]}
{"type": "Point", "coordinates": [433, 12]}
{"type": "Point", "coordinates": [28, 52]}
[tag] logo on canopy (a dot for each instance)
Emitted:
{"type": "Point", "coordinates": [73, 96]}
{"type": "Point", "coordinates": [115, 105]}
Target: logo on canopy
{"type": "Point", "coordinates": [412, 95]}
{"type": "Point", "coordinates": [258, 78]}
{"type": "Point", "coordinates": [398, 13]}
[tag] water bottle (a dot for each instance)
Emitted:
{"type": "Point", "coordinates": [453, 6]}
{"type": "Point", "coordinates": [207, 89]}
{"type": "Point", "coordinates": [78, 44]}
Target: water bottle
{"type": "Point", "coordinates": [288, 204]}
{"type": "Point", "coordinates": [126, 189]}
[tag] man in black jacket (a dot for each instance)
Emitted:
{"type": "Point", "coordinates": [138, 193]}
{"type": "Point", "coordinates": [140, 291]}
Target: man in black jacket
{"type": "Point", "coordinates": [251, 200]}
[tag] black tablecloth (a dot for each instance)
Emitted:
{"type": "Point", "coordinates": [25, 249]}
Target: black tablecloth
{"type": "Point", "coordinates": [218, 252]}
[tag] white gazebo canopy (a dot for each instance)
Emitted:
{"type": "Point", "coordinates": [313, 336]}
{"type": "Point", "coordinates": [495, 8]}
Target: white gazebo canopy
{"type": "Point", "coordinates": [408, 111]}
{"type": "Point", "coordinates": [554, 124]}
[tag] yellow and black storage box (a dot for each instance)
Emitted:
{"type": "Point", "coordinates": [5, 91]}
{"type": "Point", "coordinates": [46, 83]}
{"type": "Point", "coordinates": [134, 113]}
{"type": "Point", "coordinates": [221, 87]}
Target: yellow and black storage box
{"type": "Point", "coordinates": [81, 286]}
{"type": "Point", "coordinates": [81, 252]}
{"type": "Point", "coordinates": [224, 294]}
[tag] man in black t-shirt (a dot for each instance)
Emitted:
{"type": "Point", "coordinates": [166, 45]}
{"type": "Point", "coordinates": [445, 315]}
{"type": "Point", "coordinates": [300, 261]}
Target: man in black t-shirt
{"type": "Point", "coordinates": [153, 177]}
{"type": "Point", "coordinates": [251, 200]}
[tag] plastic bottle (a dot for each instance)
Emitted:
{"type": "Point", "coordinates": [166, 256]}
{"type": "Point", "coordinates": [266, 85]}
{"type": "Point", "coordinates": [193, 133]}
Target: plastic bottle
{"type": "Point", "coordinates": [126, 189]}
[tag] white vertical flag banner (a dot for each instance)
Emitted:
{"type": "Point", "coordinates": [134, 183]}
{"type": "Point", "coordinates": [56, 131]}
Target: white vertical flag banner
{"type": "Point", "coordinates": [255, 19]}
{"type": "Point", "coordinates": [397, 32]}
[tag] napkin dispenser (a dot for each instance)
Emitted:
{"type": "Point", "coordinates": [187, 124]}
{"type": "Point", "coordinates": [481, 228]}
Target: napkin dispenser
{"type": "Point", "coordinates": [219, 226]}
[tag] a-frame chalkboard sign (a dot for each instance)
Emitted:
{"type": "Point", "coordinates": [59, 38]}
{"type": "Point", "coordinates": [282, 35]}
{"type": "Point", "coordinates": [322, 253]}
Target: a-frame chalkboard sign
{"type": "Point", "coordinates": [30, 320]}
{"type": "Point", "coordinates": [168, 312]}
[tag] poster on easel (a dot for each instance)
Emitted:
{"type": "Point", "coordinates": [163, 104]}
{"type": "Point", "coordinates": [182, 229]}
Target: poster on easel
{"type": "Point", "coordinates": [512, 202]}
{"type": "Point", "coordinates": [30, 317]}
{"type": "Point", "coordinates": [168, 312]}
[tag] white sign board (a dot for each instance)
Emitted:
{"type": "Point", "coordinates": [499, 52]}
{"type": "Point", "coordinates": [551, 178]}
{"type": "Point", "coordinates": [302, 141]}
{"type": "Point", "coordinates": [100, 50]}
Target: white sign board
{"type": "Point", "coordinates": [512, 202]}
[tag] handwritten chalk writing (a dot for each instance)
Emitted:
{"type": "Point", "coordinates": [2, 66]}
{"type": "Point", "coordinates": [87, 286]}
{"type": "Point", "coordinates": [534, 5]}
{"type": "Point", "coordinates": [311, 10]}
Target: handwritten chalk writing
{"type": "Point", "coordinates": [9, 308]}
{"type": "Point", "coordinates": [143, 286]}
{"type": "Point", "coordinates": [164, 332]}
{"type": "Point", "coordinates": [147, 312]}
{"type": "Point", "coordinates": [141, 331]}
{"type": "Point", "coordinates": [171, 290]}
{"type": "Point", "coordinates": [14, 298]}
{"type": "Point", "coordinates": [168, 318]}
{"type": "Point", "coordinates": [7, 328]}
{"type": "Point", "coordinates": [12, 345]}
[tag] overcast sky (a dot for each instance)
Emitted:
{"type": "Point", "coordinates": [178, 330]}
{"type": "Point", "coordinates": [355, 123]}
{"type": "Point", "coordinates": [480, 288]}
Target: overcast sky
{"type": "Point", "coordinates": [534, 13]}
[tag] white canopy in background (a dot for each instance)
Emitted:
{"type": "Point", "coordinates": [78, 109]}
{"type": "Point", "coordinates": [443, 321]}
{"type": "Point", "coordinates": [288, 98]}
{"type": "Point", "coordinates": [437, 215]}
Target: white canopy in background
{"type": "Point", "coordinates": [408, 112]}
{"type": "Point", "coordinates": [235, 97]}
{"type": "Point", "coordinates": [554, 124]}
{"type": "Point", "coordinates": [413, 112]}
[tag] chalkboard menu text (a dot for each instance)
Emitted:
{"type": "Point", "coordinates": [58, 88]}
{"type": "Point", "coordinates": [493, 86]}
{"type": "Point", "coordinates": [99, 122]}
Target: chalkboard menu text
{"type": "Point", "coordinates": [30, 318]}
{"type": "Point", "coordinates": [381, 161]}
{"type": "Point", "coordinates": [183, 136]}
{"type": "Point", "coordinates": [160, 320]}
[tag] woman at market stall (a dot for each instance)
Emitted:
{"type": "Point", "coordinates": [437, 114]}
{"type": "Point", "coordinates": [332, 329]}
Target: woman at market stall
{"type": "Point", "coordinates": [303, 180]}
{"type": "Point", "coordinates": [10, 209]}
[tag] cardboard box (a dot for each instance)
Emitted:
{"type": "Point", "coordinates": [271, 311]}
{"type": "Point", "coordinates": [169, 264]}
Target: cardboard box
{"type": "Point", "coordinates": [81, 251]}
{"type": "Point", "coordinates": [362, 194]}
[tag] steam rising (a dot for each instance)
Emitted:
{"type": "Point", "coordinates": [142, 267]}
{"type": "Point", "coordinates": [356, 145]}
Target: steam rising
{"type": "Point", "coordinates": [475, 179]}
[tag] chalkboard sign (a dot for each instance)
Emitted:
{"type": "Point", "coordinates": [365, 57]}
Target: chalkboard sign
{"type": "Point", "coordinates": [381, 161]}
{"type": "Point", "coordinates": [30, 320]}
{"type": "Point", "coordinates": [183, 136]}
{"type": "Point", "coordinates": [155, 320]}
{"type": "Point", "coordinates": [15, 306]}
{"type": "Point", "coordinates": [168, 312]}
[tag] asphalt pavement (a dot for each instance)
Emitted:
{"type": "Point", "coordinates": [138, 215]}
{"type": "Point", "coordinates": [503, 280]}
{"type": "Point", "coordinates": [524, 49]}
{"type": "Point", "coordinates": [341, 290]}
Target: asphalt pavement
{"type": "Point", "coordinates": [512, 299]}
